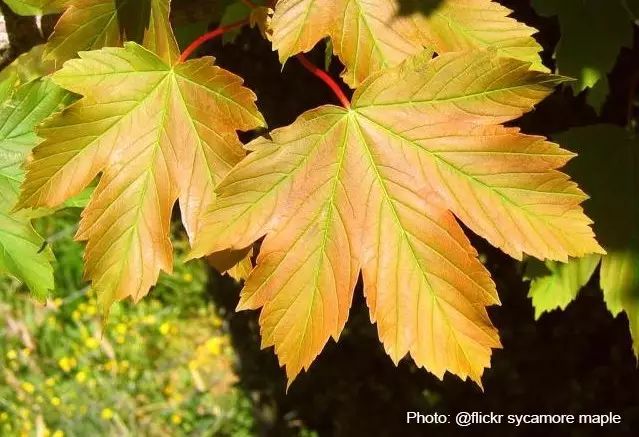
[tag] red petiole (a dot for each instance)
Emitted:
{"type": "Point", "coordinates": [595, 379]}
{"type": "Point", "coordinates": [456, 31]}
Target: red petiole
{"type": "Point", "coordinates": [328, 80]}
{"type": "Point", "coordinates": [208, 37]}
{"type": "Point", "coordinates": [318, 72]}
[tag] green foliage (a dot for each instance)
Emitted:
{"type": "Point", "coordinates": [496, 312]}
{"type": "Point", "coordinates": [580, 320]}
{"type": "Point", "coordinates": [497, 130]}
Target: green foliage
{"type": "Point", "coordinates": [161, 367]}
{"type": "Point", "coordinates": [21, 249]}
{"type": "Point", "coordinates": [608, 169]}
{"type": "Point", "coordinates": [37, 7]}
{"type": "Point", "coordinates": [554, 284]}
{"type": "Point", "coordinates": [592, 34]}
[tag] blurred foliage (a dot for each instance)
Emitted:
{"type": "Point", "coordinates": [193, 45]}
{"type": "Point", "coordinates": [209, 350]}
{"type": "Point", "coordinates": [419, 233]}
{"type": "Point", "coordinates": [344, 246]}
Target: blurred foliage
{"type": "Point", "coordinates": [162, 367]}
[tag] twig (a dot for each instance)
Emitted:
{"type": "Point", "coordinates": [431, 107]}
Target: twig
{"type": "Point", "coordinates": [328, 80]}
{"type": "Point", "coordinates": [208, 37]}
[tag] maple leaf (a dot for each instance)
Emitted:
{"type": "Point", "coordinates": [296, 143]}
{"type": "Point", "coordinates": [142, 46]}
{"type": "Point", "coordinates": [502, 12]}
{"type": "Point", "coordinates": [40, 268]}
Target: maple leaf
{"type": "Point", "coordinates": [375, 187]}
{"type": "Point", "coordinates": [25, 68]}
{"type": "Point", "coordinates": [21, 249]}
{"type": "Point", "coordinates": [592, 34]}
{"type": "Point", "coordinates": [93, 24]}
{"type": "Point", "coordinates": [607, 169]}
{"type": "Point", "coordinates": [8, 81]}
{"type": "Point", "coordinates": [554, 284]}
{"type": "Point", "coordinates": [156, 133]}
{"type": "Point", "coordinates": [37, 7]}
{"type": "Point", "coordinates": [373, 35]}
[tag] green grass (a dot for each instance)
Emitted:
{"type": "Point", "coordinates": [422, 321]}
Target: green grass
{"type": "Point", "coordinates": [161, 367]}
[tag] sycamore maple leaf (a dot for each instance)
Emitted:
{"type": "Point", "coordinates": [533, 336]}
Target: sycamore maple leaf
{"type": "Point", "coordinates": [93, 24]}
{"type": "Point", "coordinates": [156, 133]}
{"type": "Point", "coordinates": [593, 32]}
{"type": "Point", "coordinates": [21, 249]}
{"type": "Point", "coordinates": [375, 187]}
{"type": "Point", "coordinates": [607, 169]}
{"type": "Point", "coordinates": [372, 35]}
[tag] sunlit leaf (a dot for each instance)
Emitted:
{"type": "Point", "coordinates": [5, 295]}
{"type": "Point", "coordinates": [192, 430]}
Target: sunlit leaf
{"type": "Point", "coordinates": [372, 35]}
{"type": "Point", "coordinates": [93, 24]}
{"type": "Point", "coordinates": [37, 7]}
{"type": "Point", "coordinates": [155, 133]}
{"type": "Point", "coordinates": [555, 284]}
{"type": "Point", "coordinates": [376, 188]}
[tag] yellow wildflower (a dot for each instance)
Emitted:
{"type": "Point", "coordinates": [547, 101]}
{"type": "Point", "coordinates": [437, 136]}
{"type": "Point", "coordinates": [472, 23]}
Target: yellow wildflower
{"type": "Point", "coordinates": [67, 363]}
{"type": "Point", "coordinates": [111, 365]}
{"type": "Point", "coordinates": [107, 414]}
{"type": "Point", "coordinates": [4, 416]}
{"type": "Point", "coordinates": [12, 355]}
{"type": "Point", "coordinates": [165, 328]}
{"type": "Point", "coordinates": [150, 320]}
{"type": "Point", "coordinates": [57, 302]}
{"type": "Point", "coordinates": [176, 419]}
{"type": "Point", "coordinates": [121, 328]}
{"type": "Point", "coordinates": [120, 339]}
{"type": "Point", "coordinates": [56, 401]}
{"type": "Point", "coordinates": [188, 277]}
{"type": "Point", "coordinates": [28, 387]}
{"type": "Point", "coordinates": [49, 382]}
{"type": "Point", "coordinates": [214, 345]}
{"type": "Point", "coordinates": [75, 315]}
{"type": "Point", "coordinates": [57, 433]}
{"type": "Point", "coordinates": [91, 343]}
{"type": "Point", "coordinates": [92, 310]}
{"type": "Point", "coordinates": [176, 398]}
{"type": "Point", "coordinates": [81, 377]}
{"type": "Point", "coordinates": [216, 321]}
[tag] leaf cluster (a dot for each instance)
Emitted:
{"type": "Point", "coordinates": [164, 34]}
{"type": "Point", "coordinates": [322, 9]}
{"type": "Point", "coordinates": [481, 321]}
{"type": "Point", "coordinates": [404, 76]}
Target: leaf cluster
{"type": "Point", "coordinates": [376, 187]}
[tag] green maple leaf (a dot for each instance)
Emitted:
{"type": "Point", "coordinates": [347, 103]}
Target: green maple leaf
{"type": "Point", "coordinates": [555, 284]}
{"type": "Point", "coordinates": [607, 169]}
{"type": "Point", "coordinates": [592, 34]}
{"type": "Point", "coordinates": [21, 253]}
{"type": "Point", "coordinates": [37, 7]}
{"type": "Point", "coordinates": [25, 68]}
